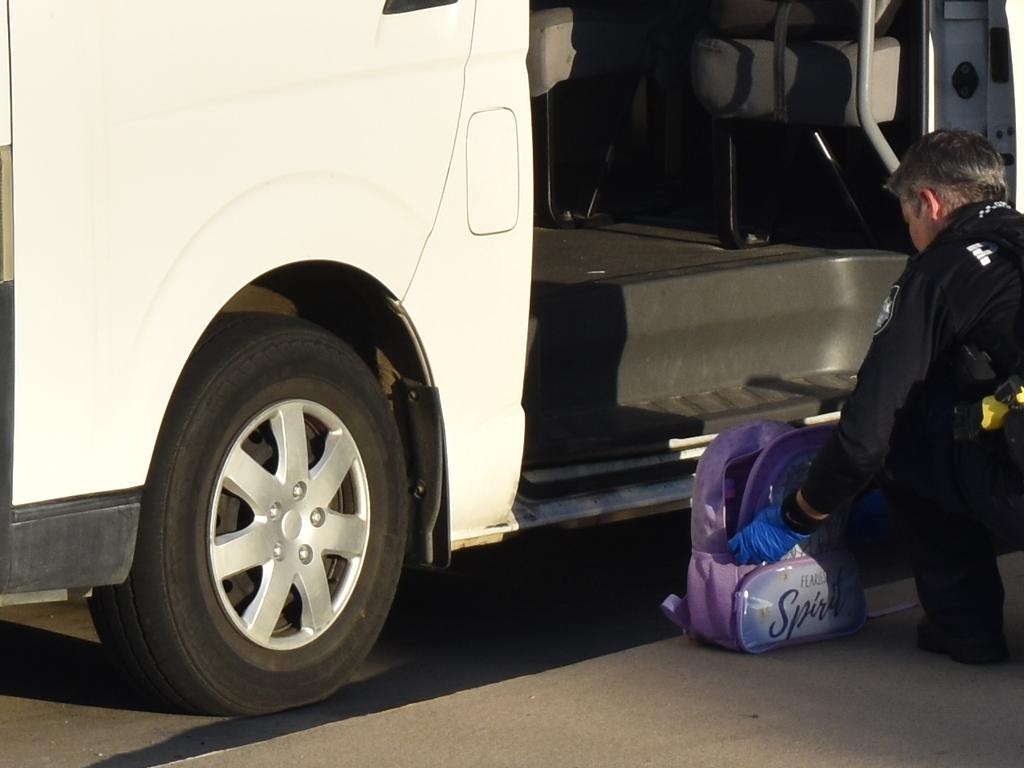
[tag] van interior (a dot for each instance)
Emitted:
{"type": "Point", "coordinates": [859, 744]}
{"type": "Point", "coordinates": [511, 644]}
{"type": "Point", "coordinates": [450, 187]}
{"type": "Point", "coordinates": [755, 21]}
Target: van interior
{"type": "Point", "coordinates": [713, 238]}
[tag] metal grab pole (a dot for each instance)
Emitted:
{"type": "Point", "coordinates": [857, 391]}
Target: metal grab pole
{"type": "Point", "coordinates": [865, 57]}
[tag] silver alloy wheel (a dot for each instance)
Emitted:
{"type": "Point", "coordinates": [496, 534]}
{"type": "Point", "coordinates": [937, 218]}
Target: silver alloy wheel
{"type": "Point", "coordinates": [289, 524]}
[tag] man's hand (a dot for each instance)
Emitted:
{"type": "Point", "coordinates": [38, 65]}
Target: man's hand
{"type": "Point", "coordinates": [766, 539]}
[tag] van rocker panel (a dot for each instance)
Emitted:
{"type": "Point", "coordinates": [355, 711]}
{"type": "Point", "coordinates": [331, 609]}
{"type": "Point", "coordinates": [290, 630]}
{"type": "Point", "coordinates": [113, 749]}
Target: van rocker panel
{"type": "Point", "coordinates": [86, 541]}
{"type": "Point", "coordinates": [82, 542]}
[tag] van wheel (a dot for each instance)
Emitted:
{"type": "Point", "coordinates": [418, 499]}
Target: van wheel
{"type": "Point", "coordinates": [272, 529]}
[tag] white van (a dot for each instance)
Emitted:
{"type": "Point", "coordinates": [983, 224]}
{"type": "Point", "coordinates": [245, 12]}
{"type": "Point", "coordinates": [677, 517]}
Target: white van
{"type": "Point", "coordinates": [293, 296]}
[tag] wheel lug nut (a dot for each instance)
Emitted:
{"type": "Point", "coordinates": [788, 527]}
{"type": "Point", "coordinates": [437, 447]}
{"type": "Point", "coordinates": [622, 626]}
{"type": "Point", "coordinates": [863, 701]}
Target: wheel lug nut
{"type": "Point", "coordinates": [275, 511]}
{"type": "Point", "coordinates": [305, 554]}
{"type": "Point", "coordinates": [299, 491]}
{"type": "Point", "coordinates": [278, 551]}
{"type": "Point", "coordinates": [317, 517]}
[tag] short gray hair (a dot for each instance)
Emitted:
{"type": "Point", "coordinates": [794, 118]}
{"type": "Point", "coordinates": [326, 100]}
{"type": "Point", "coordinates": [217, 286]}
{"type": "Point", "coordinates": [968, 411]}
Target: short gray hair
{"type": "Point", "coordinates": [961, 167]}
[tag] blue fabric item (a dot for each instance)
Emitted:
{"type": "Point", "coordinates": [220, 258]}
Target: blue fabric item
{"type": "Point", "coordinates": [766, 539]}
{"type": "Point", "coordinates": [869, 521]}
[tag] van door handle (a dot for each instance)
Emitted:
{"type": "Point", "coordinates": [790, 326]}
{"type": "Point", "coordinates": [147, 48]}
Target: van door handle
{"type": "Point", "coordinates": [407, 6]}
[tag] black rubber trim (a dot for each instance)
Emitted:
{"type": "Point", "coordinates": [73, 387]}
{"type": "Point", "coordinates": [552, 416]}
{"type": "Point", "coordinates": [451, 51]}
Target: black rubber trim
{"type": "Point", "coordinates": [924, 83]}
{"type": "Point", "coordinates": [999, 54]}
{"type": "Point", "coordinates": [431, 538]}
{"type": "Point", "coordinates": [86, 541]}
{"type": "Point", "coordinates": [6, 427]}
{"type": "Point", "coordinates": [44, 510]}
{"type": "Point", "coordinates": [408, 6]}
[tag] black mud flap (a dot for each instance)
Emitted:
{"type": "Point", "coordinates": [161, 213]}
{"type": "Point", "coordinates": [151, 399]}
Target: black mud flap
{"type": "Point", "coordinates": [420, 410]}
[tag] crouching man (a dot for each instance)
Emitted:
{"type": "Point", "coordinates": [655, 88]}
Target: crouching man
{"type": "Point", "coordinates": [950, 330]}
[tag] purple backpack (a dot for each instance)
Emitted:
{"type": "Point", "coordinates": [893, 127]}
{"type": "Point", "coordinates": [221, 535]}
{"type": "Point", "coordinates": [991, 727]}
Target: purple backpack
{"type": "Point", "coordinates": [813, 593]}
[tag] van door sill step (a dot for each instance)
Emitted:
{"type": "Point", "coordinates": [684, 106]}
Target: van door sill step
{"type": "Point", "coordinates": [616, 503]}
{"type": "Point", "coordinates": [597, 433]}
{"type": "Point", "coordinates": [681, 449]}
{"type": "Point", "coordinates": [597, 477]}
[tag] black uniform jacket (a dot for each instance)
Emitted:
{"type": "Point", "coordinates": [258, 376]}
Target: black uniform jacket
{"type": "Point", "coordinates": [965, 289]}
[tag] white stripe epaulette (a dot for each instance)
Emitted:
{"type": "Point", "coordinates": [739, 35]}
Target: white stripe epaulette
{"type": "Point", "coordinates": [982, 252]}
{"type": "Point", "coordinates": [991, 207]}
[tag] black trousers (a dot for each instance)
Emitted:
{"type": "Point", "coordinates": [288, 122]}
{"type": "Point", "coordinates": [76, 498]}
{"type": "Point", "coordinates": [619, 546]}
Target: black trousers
{"type": "Point", "coordinates": [953, 503]}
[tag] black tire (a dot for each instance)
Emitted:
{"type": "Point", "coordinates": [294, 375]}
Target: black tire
{"type": "Point", "coordinates": [166, 622]}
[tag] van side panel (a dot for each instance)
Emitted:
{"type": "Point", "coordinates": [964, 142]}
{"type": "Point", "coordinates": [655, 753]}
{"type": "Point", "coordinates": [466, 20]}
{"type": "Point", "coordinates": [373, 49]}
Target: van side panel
{"type": "Point", "coordinates": [470, 296]}
{"type": "Point", "coordinates": [1015, 24]}
{"type": "Point", "coordinates": [960, 39]}
{"type": "Point", "coordinates": [5, 78]}
{"type": "Point", "coordinates": [970, 88]}
{"type": "Point", "coordinates": [168, 153]}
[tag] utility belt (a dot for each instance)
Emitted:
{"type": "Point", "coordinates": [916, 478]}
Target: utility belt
{"type": "Point", "coordinates": [1003, 410]}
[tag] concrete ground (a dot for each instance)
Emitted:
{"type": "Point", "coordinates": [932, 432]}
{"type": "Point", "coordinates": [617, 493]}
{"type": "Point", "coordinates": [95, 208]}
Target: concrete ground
{"type": "Point", "coordinates": [548, 651]}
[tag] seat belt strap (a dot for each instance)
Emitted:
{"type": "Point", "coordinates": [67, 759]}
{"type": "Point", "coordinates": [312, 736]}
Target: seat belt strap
{"type": "Point", "coordinates": [780, 37]}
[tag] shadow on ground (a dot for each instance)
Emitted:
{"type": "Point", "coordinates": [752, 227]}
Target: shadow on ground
{"type": "Point", "coordinates": [48, 666]}
{"type": "Point", "coordinates": [545, 600]}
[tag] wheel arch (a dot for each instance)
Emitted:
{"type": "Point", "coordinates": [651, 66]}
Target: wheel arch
{"type": "Point", "coordinates": [359, 310]}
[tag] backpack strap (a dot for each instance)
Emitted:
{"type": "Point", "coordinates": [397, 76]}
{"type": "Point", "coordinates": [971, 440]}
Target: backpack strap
{"type": "Point", "coordinates": [780, 35]}
{"type": "Point", "coordinates": [708, 517]}
{"type": "Point", "coordinates": [773, 460]}
{"type": "Point", "coordinates": [677, 611]}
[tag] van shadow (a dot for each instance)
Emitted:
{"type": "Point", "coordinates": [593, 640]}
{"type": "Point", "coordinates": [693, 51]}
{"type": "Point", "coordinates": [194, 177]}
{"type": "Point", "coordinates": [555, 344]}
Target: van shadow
{"type": "Point", "coordinates": [47, 666]}
{"type": "Point", "coordinates": [548, 599]}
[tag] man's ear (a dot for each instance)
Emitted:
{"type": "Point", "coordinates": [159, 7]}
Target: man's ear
{"type": "Point", "coordinates": [931, 206]}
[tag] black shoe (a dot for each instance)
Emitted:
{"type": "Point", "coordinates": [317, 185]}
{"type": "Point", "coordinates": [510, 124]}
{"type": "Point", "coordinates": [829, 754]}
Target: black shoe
{"type": "Point", "coordinates": [980, 649]}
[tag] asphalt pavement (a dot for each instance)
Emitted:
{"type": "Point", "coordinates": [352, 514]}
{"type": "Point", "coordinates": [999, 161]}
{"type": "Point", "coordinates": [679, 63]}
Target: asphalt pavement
{"type": "Point", "coordinates": [548, 650]}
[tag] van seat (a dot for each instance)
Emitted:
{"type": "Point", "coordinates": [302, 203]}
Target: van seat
{"type": "Point", "coordinates": [735, 66]}
{"type": "Point", "coordinates": [578, 42]}
{"type": "Point", "coordinates": [794, 62]}
{"type": "Point", "coordinates": [735, 79]}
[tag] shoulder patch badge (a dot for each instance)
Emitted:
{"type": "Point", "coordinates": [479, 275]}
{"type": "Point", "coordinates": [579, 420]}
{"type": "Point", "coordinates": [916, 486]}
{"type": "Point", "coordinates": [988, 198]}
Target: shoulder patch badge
{"type": "Point", "coordinates": [982, 252]}
{"type": "Point", "coordinates": [888, 307]}
{"type": "Point", "coordinates": [993, 206]}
